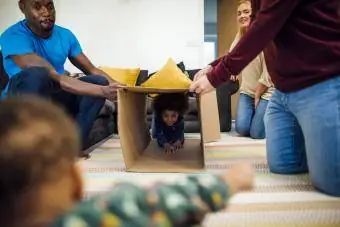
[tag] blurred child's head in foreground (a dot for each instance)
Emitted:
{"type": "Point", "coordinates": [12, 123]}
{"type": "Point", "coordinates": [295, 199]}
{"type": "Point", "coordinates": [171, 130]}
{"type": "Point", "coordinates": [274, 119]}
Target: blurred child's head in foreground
{"type": "Point", "coordinates": [170, 106]}
{"type": "Point", "coordinates": [38, 148]}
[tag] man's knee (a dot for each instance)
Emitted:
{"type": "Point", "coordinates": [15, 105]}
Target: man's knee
{"type": "Point", "coordinates": [36, 73]}
{"type": "Point", "coordinates": [100, 80]}
{"type": "Point", "coordinates": [94, 79]}
{"type": "Point", "coordinates": [32, 80]}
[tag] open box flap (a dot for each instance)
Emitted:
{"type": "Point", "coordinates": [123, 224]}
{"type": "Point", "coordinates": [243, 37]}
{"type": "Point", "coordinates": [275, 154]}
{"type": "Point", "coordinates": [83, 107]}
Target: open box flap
{"type": "Point", "coordinates": [133, 131]}
{"type": "Point", "coordinates": [209, 116]}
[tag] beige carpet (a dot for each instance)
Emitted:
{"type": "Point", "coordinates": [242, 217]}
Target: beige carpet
{"type": "Point", "coordinates": [279, 201]}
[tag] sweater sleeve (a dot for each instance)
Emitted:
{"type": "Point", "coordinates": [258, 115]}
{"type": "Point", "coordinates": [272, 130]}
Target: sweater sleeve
{"type": "Point", "coordinates": [265, 78]}
{"type": "Point", "coordinates": [267, 24]}
{"type": "Point", "coordinates": [215, 63]}
{"type": "Point", "coordinates": [182, 203]}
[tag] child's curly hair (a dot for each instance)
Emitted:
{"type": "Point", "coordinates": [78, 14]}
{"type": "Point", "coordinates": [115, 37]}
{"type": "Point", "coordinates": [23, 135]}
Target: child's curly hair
{"type": "Point", "coordinates": [178, 102]}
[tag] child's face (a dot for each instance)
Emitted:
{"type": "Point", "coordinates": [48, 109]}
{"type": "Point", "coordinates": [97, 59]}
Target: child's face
{"type": "Point", "coordinates": [170, 117]}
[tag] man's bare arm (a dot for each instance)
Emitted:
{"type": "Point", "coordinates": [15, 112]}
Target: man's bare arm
{"type": "Point", "coordinates": [83, 63]}
{"type": "Point", "coordinates": [69, 84]}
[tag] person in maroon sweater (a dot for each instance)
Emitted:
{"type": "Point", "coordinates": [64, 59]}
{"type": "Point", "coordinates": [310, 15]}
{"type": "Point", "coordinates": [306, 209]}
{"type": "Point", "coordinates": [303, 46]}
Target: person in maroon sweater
{"type": "Point", "coordinates": [301, 42]}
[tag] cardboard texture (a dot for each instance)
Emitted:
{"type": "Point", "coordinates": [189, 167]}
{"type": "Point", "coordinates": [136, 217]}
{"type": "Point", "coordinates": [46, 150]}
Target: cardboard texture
{"type": "Point", "coordinates": [141, 154]}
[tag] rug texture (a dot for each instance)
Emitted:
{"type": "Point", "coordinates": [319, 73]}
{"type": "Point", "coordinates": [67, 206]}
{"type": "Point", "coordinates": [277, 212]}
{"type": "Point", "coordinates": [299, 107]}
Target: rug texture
{"type": "Point", "coordinates": [276, 200]}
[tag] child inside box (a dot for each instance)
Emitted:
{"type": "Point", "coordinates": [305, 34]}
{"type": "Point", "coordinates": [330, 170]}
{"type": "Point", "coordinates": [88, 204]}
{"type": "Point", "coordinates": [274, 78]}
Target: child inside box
{"type": "Point", "coordinates": [168, 120]}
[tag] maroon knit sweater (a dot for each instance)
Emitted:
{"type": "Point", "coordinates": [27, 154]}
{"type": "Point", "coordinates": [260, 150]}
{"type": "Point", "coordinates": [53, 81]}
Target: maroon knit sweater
{"type": "Point", "coordinates": [300, 40]}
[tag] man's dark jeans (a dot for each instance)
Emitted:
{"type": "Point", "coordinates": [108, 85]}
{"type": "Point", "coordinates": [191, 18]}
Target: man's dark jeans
{"type": "Point", "coordinates": [84, 109]}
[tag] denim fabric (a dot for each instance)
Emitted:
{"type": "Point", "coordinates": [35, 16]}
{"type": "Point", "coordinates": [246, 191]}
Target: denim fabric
{"type": "Point", "coordinates": [249, 121]}
{"type": "Point", "coordinates": [84, 109]}
{"type": "Point", "coordinates": [303, 134]}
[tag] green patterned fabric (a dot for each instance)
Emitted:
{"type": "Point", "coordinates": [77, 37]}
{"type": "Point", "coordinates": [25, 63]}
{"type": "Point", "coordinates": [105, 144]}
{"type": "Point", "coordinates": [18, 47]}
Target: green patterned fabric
{"type": "Point", "coordinates": [275, 201]}
{"type": "Point", "coordinates": [183, 203]}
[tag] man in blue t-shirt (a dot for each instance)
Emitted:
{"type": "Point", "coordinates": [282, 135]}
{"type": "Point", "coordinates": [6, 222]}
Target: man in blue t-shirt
{"type": "Point", "coordinates": [34, 53]}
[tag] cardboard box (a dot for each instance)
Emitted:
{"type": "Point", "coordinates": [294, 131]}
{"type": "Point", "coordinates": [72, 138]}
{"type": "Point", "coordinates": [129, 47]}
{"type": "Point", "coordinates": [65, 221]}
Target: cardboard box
{"type": "Point", "coordinates": [142, 154]}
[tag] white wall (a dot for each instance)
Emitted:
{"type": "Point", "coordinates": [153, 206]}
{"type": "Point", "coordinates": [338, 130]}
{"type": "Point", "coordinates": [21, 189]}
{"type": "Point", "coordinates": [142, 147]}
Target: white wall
{"type": "Point", "coordinates": [129, 33]}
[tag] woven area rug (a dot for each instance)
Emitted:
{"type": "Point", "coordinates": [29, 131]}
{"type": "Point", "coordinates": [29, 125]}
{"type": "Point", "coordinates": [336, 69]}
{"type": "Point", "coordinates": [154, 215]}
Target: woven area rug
{"type": "Point", "coordinates": [279, 201]}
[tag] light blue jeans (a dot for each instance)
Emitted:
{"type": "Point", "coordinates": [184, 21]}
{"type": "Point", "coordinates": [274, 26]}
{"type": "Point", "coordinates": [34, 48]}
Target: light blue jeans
{"type": "Point", "coordinates": [303, 134]}
{"type": "Point", "coordinates": [249, 120]}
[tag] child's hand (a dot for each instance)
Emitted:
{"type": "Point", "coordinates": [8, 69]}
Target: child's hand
{"type": "Point", "coordinates": [169, 148]}
{"type": "Point", "coordinates": [178, 145]}
{"type": "Point", "coordinates": [239, 178]}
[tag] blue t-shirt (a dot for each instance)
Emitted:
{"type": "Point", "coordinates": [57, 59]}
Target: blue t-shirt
{"type": "Point", "coordinates": [19, 40]}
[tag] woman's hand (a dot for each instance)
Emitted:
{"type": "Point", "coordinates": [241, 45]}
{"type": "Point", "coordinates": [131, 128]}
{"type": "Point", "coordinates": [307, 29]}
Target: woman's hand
{"type": "Point", "coordinates": [259, 91]}
{"type": "Point", "coordinates": [202, 85]}
{"type": "Point", "coordinates": [257, 101]}
{"type": "Point", "coordinates": [203, 72]}
{"type": "Point", "coordinates": [234, 78]}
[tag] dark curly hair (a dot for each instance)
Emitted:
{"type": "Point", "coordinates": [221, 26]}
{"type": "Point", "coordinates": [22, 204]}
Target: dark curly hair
{"type": "Point", "coordinates": [178, 102]}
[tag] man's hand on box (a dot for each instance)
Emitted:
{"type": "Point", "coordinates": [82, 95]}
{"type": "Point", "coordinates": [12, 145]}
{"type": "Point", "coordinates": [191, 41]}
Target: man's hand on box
{"type": "Point", "coordinates": [110, 91]}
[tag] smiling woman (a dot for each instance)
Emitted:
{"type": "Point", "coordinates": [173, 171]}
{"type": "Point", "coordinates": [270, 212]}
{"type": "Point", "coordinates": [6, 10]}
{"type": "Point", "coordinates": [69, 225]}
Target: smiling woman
{"type": "Point", "coordinates": [243, 15]}
{"type": "Point", "coordinates": [256, 87]}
